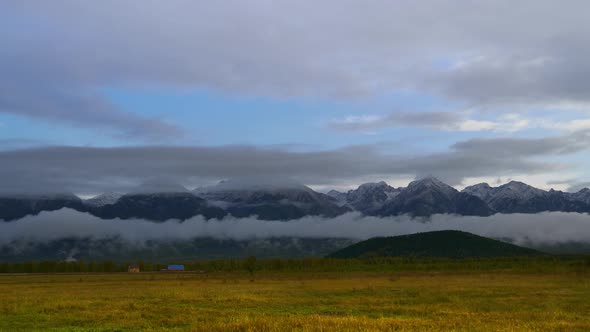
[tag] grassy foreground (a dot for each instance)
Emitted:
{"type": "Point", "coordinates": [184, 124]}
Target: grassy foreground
{"type": "Point", "coordinates": [353, 301]}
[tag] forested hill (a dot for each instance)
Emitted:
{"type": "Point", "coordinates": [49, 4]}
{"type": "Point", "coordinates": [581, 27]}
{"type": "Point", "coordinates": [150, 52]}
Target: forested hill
{"type": "Point", "coordinates": [452, 244]}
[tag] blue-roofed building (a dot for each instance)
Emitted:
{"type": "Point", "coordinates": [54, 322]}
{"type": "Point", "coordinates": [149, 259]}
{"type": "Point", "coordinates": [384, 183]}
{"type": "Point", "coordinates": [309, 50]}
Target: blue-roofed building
{"type": "Point", "coordinates": [175, 267]}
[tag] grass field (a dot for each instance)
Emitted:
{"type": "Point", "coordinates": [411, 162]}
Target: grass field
{"type": "Point", "coordinates": [306, 301]}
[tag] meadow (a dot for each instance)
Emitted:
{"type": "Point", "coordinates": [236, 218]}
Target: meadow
{"type": "Point", "coordinates": [448, 298]}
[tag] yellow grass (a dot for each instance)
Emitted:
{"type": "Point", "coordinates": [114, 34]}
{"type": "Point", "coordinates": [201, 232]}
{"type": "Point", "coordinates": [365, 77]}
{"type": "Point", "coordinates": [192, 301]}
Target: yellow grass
{"type": "Point", "coordinates": [300, 302]}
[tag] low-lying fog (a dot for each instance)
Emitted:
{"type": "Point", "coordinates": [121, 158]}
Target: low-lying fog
{"type": "Point", "coordinates": [540, 229]}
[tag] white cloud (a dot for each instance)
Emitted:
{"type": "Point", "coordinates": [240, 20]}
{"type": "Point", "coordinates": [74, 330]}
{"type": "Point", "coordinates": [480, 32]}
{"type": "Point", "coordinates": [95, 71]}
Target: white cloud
{"type": "Point", "coordinates": [458, 121]}
{"type": "Point", "coordinates": [539, 229]}
{"type": "Point", "coordinates": [506, 123]}
{"type": "Point", "coordinates": [445, 121]}
{"type": "Point", "coordinates": [573, 125]}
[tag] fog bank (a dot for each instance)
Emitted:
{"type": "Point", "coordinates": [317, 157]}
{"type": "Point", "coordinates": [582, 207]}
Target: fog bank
{"type": "Point", "coordinates": [539, 229]}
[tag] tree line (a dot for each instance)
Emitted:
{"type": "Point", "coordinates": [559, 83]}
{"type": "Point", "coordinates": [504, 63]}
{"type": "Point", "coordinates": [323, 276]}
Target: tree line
{"type": "Point", "coordinates": [252, 265]}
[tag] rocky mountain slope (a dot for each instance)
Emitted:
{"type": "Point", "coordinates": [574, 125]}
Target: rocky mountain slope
{"type": "Point", "coordinates": [287, 201]}
{"type": "Point", "coordinates": [518, 197]}
{"type": "Point", "coordinates": [270, 201]}
{"type": "Point", "coordinates": [430, 196]}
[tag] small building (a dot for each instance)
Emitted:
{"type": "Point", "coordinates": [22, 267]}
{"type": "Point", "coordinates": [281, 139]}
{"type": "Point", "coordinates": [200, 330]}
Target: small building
{"type": "Point", "coordinates": [133, 268]}
{"type": "Point", "coordinates": [175, 268]}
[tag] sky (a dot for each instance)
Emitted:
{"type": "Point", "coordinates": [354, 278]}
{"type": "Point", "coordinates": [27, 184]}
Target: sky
{"type": "Point", "coordinates": [103, 95]}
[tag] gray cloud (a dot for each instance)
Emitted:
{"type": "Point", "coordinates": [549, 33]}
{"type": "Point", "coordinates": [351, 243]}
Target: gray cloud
{"type": "Point", "coordinates": [532, 78]}
{"type": "Point", "coordinates": [508, 147]}
{"type": "Point", "coordinates": [91, 170]}
{"type": "Point", "coordinates": [16, 143]}
{"type": "Point", "coordinates": [538, 229]}
{"type": "Point", "coordinates": [574, 185]}
{"type": "Point", "coordinates": [56, 56]}
{"type": "Point", "coordinates": [83, 109]}
{"type": "Point", "coordinates": [438, 120]}
{"type": "Point", "coordinates": [450, 121]}
{"type": "Point", "coordinates": [566, 181]}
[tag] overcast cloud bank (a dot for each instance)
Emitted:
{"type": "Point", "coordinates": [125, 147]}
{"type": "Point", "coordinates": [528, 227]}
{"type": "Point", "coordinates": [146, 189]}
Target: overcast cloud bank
{"type": "Point", "coordinates": [97, 170]}
{"type": "Point", "coordinates": [538, 229]}
{"type": "Point", "coordinates": [345, 49]}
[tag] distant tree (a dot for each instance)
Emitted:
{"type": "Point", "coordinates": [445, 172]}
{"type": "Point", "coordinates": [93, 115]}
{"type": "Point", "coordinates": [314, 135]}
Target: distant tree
{"type": "Point", "coordinates": [82, 266]}
{"type": "Point", "coordinates": [249, 264]}
{"type": "Point", "coordinates": [276, 264]}
{"type": "Point", "coordinates": [108, 266]}
{"type": "Point", "coordinates": [28, 267]}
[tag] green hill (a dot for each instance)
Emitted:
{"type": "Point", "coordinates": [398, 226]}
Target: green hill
{"type": "Point", "coordinates": [451, 244]}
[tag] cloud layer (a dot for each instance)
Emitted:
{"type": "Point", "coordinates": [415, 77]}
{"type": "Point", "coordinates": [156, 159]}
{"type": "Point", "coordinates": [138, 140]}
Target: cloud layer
{"type": "Point", "coordinates": [59, 60]}
{"type": "Point", "coordinates": [446, 121]}
{"type": "Point", "coordinates": [538, 229]}
{"type": "Point", "coordinates": [95, 170]}
{"type": "Point", "coordinates": [56, 57]}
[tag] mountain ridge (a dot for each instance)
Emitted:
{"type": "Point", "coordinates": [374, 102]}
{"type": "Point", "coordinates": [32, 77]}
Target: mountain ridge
{"type": "Point", "coordinates": [288, 200]}
{"type": "Point", "coordinates": [519, 197]}
{"type": "Point", "coordinates": [430, 196]}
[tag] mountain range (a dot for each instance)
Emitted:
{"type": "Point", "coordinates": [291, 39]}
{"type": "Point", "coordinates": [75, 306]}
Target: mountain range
{"type": "Point", "coordinates": [430, 196]}
{"type": "Point", "coordinates": [287, 201]}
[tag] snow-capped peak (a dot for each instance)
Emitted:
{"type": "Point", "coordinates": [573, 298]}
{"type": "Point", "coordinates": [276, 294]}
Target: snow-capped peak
{"type": "Point", "coordinates": [367, 188]}
{"type": "Point", "coordinates": [334, 193]}
{"type": "Point", "coordinates": [582, 195]}
{"type": "Point", "coordinates": [154, 187]}
{"type": "Point", "coordinates": [481, 190]}
{"type": "Point", "coordinates": [516, 185]}
{"type": "Point", "coordinates": [339, 197]}
{"type": "Point", "coordinates": [253, 184]}
{"type": "Point", "coordinates": [103, 199]}
{"type": "Point", "coordinates": [371, 195]}
{"type": "Point", "coordinates": [518, 190]}
{"type": "Point", "coordinates": [433, 183]}
{"type": "Point", "coordinates": [251, 191]}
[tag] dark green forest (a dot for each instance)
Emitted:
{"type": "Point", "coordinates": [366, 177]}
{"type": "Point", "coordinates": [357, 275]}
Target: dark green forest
{"type": "Point", "coordinates": [448, 243]}
{"type": "Point", "coordinates": [373, 264]}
